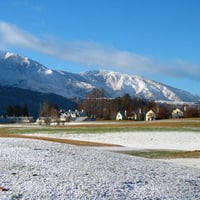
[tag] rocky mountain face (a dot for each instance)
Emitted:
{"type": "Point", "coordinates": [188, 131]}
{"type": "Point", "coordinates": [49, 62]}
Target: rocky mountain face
{"type": "Point", "coordinates": [21, 72]}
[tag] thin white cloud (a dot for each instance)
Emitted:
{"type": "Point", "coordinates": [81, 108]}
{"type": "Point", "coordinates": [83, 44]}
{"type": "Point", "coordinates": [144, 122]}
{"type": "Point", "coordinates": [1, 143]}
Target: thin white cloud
{"type": "Point", "coordinates": [94, 54]}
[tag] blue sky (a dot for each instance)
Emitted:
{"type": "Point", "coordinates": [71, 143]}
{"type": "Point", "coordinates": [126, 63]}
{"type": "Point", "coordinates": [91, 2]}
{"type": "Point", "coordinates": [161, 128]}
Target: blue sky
{"type": "Point", "coordinates": [156, 39]}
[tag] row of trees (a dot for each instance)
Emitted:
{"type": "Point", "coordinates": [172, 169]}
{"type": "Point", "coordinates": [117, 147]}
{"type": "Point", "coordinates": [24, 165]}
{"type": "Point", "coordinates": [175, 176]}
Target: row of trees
{"type": "Point", "coordinates": [97, 104]}
{"type": "Point", "coordinates": [46, 110]}
{"type": "Point", "coordinates": [17, 110]}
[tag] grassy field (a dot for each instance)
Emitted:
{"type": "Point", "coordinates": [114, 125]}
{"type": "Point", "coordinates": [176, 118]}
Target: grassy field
{"type": "Point", "coordinates": [163, 154]}
{"type": "Point", "coordinates": [109, 126]}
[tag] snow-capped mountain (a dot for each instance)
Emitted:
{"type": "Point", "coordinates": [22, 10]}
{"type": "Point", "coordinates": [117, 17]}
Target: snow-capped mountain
{"type": "Point", "coordinates": [117, 84]}
{"type": "Point", "coordinates": [19, 71]}
{"type": "Point", "coordinates": [22, 72]}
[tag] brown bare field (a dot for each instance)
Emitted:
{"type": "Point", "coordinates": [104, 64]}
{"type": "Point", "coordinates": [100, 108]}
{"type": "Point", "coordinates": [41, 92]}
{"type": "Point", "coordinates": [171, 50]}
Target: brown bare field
{"type": "Point", "coordinates": [159, 124]}
{"type": "Point", "coordinates": [60, 140]}
{"type": "Point", "coordinates": [178, 123]}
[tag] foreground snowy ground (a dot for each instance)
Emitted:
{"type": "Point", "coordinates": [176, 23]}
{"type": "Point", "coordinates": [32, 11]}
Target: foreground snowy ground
{"type": "Point", "coordinates": [32, 169]}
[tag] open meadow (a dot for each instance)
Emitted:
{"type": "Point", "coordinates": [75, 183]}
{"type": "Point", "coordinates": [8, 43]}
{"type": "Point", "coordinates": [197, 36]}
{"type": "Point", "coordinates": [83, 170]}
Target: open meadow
{"type": "Point", "coordinates": [180, 134]}
{"type": "Point", "coordinates": [87, 160]}
{"type": "Point", "coordinates": [132, 137]}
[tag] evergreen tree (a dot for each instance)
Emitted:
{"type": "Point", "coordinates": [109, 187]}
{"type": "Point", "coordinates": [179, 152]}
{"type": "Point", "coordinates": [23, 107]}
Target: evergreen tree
{"type": "Point", "coordinates": [16, 110]}
{"type": "Point", "coordinates": [9, 111]}
{"type": "Point", "coordinates": [25, 111]}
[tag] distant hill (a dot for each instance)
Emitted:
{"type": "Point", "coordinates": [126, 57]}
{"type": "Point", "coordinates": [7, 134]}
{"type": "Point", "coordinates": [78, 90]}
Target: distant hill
{"type": "Point", "coordinates": [16, 96]}
{"type": "Point", "coordinates": [21, 72]}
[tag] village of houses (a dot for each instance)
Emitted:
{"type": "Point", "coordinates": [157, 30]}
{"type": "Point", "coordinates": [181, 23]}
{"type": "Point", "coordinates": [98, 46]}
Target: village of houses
{"type": "Point", "coordinates": [149, 116]}
{"type": "Point", "coordinates": [79, 116]}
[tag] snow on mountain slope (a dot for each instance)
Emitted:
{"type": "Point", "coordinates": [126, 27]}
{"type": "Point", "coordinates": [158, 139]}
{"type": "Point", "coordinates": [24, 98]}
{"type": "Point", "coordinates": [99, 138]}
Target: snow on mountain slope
{"type": "Point", "coordinates": [117, 84]}
{"type": "Point", "coordinates": [22, 72]}
{"type": "Point", "coordinates": [19, 71]}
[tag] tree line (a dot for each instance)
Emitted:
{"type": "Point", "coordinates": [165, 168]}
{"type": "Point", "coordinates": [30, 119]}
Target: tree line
{"type": "Point", "coordinates": [97, 104]}
{"type": "Point", "coordinates": [17, 110]}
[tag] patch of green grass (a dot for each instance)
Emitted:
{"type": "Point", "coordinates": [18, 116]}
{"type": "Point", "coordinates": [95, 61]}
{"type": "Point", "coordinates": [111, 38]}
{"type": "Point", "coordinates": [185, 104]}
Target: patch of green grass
{"type": "Point", "coordinates": [112, 126]}
{"type": "Point", "coordinates": [163, 154]}
{"type": "Point", "coordinates": [52, 130]}
{"type": "Point", "coordinates": [92, 129]}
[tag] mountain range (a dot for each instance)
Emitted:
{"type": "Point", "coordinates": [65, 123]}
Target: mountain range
{"type": "Point", "coordinates": [21, 72]}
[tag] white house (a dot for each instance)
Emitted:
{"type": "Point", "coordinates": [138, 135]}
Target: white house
{"type": "Point", "coordinates": [177, 113]}
{"type": "Point", "coordinates": [119, 116]}
{"type": "Point", "coordinates": [150, 115]}
{"type": "Point", "coordinates": [64, 117]}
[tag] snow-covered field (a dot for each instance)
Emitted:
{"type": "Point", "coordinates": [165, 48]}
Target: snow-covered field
{"type": "Point", "coordinates": [170, 140]}
{"type": "Point", "coordinates": [32, 169]}
{"type": "Point", "coordinates": [152, 140]}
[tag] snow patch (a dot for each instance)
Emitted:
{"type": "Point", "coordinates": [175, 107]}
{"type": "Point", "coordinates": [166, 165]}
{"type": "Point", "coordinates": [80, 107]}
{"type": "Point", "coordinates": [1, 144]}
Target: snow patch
{"type": "Point", "coordinates": [26, 61]}
{"type": "Point", "coordinates": [61, 72]}
{"type": "Point", "coordinates": [171, 140]}
{"type": "Point", "coordinates": [48, 72]}
{"type": "Point", "coordinates": [45, 71]}
{"type": "Point", "coordinates": [8, 55]}
{"type": "Point", "coordinates": [84, 85]}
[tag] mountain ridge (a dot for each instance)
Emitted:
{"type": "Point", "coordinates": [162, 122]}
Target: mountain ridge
{"type": "Point", "coordinates": [11, 96]}
{"type": "Point", "coordinates": [22, 72]}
